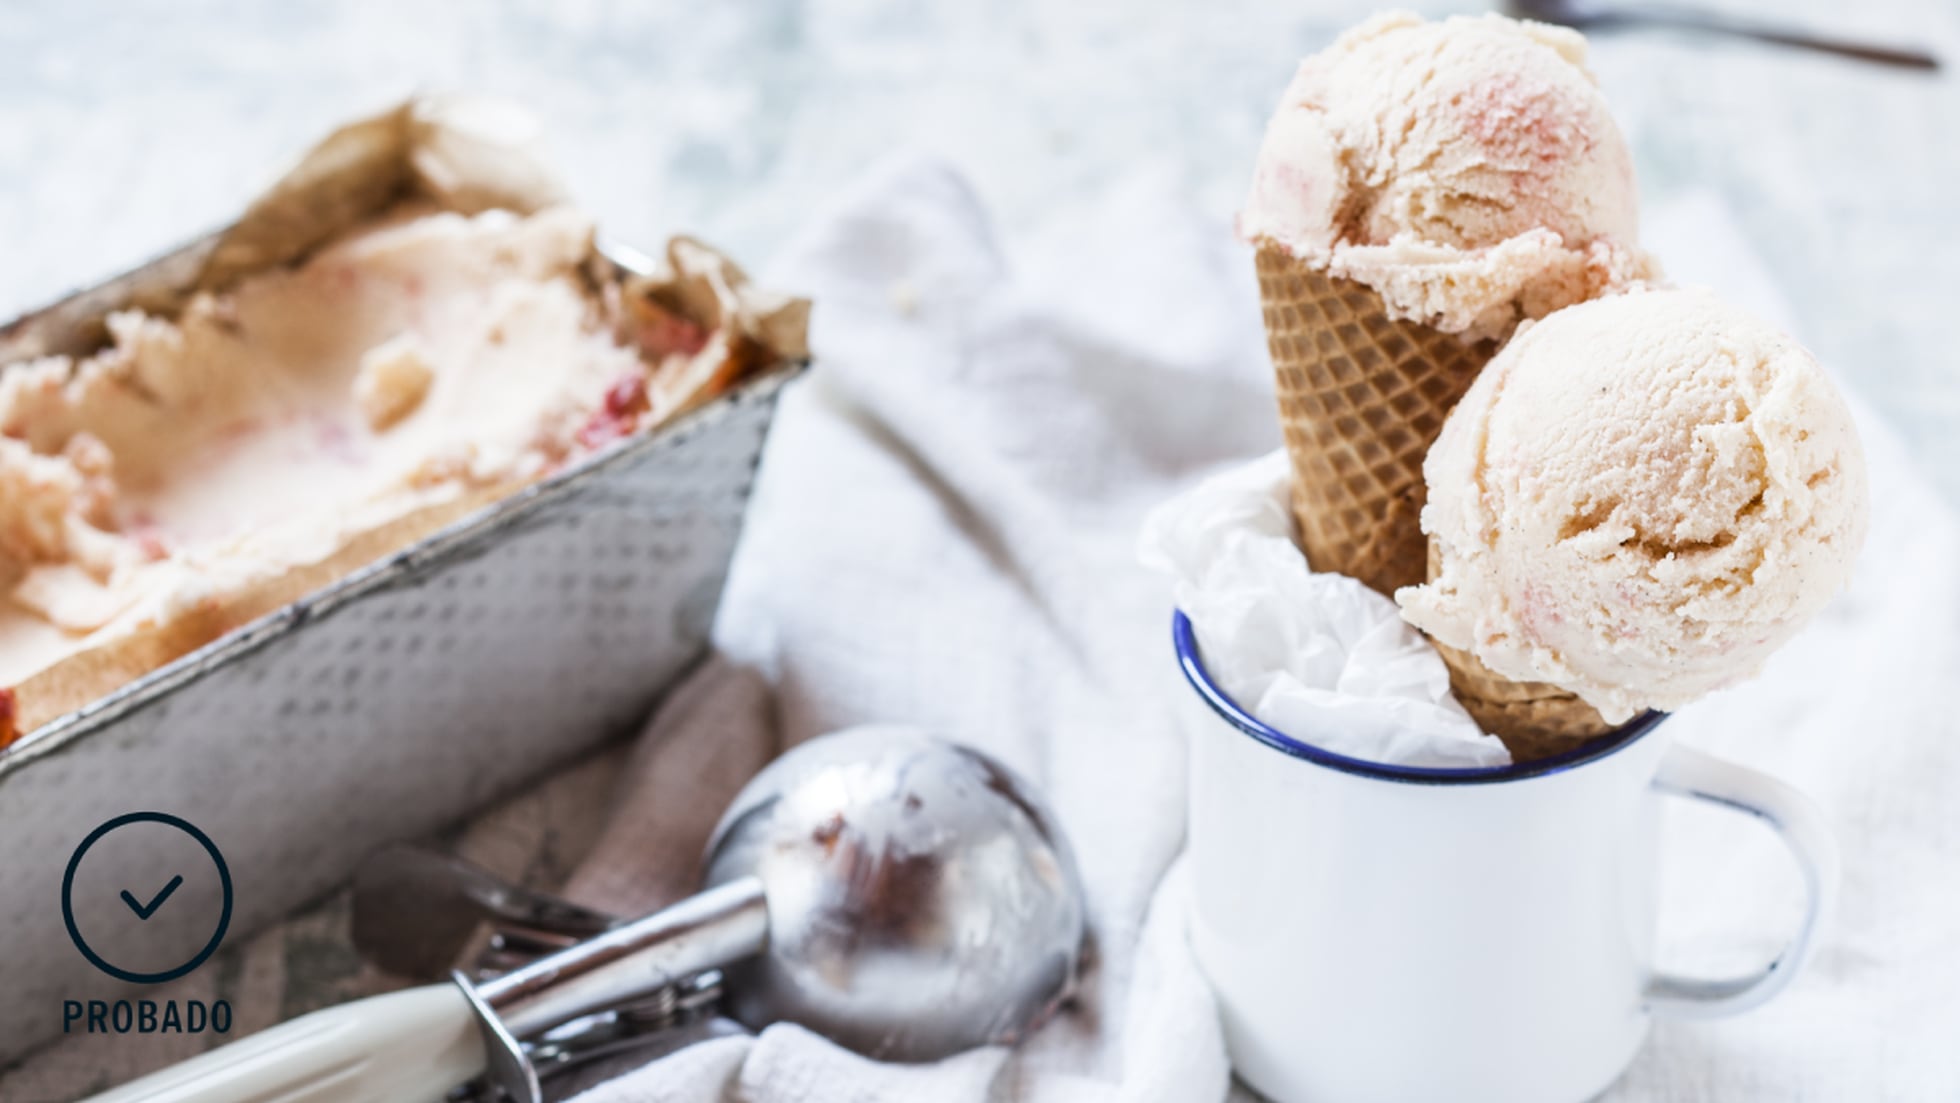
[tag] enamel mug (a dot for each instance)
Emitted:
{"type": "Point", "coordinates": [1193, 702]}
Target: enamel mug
{"type": "Point", "coordinates": [1398, 934]}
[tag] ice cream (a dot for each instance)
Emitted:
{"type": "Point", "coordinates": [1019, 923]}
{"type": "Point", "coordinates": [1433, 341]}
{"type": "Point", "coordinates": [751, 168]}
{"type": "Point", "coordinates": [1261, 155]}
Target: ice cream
{"type": "Point", "coordinates": [207, 467]}
{"type": "Point", "coordinates": [1467, 170]}
{"type": "Point", "coordinates": [1638, 500]}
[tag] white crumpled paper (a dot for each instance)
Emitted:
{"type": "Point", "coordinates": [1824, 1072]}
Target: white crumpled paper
{"type": "Point", "coordinates": [1320, 657]}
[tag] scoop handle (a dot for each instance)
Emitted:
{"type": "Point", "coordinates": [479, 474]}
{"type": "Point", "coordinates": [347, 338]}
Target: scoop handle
{"type": "Point", "coordinates": [412, 1047]}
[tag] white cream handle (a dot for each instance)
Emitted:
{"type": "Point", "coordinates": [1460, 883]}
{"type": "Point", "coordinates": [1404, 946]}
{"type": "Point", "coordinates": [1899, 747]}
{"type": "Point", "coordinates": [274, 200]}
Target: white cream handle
{"type": "Point", "coordinates": [405, 1047]}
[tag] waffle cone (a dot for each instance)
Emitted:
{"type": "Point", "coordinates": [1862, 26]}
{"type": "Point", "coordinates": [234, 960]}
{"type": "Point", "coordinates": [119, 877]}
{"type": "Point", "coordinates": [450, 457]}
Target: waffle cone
{"type": "Point", "coordinates": [1534, 719]}
{"type": "Point", "coordinates": [1361, 398]}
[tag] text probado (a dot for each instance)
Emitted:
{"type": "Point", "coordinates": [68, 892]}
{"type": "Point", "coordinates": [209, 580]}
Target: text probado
{"type": "Point", "coordinates": [145, 1017]}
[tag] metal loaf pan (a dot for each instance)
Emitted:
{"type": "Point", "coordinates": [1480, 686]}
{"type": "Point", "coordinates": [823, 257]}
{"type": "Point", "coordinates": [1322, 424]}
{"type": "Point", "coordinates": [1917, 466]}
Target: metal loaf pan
{"type": "Point", "coordinates": [390, 703]}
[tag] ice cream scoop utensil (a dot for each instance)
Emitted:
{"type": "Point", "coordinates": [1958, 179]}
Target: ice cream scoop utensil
{"type": "Point", "coordinates": [908, 897]}
{"type": "Point", "coordinates": [922, 899]}
{"type": "Point", "coordinates": [1590, 15]}
{"type": "Point", "coordinates": [415, 908]}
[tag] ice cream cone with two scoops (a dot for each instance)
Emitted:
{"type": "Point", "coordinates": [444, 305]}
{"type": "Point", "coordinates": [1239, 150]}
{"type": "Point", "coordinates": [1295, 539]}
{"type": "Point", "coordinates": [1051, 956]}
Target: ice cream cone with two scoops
{"type": "Point", "coordinates": [1595, 494]}
{"type": "Point", "coordinates": [1362, 397]}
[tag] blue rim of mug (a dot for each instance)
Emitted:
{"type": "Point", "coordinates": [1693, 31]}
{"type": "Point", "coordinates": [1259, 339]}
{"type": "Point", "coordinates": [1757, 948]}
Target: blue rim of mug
{"type": "Point", "coordinates": [1193, 664]}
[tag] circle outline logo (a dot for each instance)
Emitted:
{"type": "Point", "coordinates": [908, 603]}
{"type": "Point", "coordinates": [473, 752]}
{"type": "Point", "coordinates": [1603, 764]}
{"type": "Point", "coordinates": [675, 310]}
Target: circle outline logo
{"type": "Point", "coordinates": [68, 904]}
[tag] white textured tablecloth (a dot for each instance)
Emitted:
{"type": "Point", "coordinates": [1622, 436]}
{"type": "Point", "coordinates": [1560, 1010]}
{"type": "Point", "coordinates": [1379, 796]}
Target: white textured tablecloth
{"type": "Point", "coordinates": [943, 533]}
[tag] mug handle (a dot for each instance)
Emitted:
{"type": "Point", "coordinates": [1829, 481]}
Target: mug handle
{"type": "Point", "coordinates": [1686, 772]}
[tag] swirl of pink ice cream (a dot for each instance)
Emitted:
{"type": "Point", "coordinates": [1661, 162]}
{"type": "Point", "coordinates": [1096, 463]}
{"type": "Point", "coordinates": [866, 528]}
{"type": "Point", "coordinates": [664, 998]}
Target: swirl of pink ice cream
{"type": "Point", "coordinates": [1468, 170]}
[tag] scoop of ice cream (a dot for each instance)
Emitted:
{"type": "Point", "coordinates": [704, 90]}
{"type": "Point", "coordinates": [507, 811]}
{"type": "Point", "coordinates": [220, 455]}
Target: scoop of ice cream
{"type": "Point", "coordinates": [1467, 170]}
{"type": "Point", "coordinates": [1638, 501]}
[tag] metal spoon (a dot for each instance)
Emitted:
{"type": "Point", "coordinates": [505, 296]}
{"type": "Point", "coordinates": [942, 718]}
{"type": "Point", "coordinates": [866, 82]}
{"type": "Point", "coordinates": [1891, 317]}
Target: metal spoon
{"type": "Point", "coordinates": [416, 908]}
{"type": "Point", "coordinates": [1589, 15]}
{"type": "Point", "coordinates": [905, 896]}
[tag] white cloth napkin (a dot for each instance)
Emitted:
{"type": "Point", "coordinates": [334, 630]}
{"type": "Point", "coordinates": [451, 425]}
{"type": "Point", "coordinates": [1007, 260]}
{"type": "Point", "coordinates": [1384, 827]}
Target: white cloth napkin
{"type": "Point", "coordinates": [943, 534]}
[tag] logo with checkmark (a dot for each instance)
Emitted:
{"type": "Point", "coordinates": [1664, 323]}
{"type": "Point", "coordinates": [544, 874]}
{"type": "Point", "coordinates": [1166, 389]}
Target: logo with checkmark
{"type": "Point", "coordinates": [147, 897]}
{"type": "Point", "coordinates": [144, 911]}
